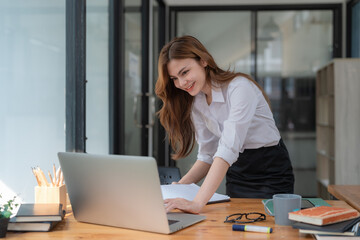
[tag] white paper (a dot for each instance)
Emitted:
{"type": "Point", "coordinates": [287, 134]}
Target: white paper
{"type": "Point", "coordinates": [188, 191]}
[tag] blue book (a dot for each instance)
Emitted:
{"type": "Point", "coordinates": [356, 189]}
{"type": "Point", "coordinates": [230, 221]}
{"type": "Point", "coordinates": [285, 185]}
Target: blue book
{"type": "Point", "coordinates": [305, 203]}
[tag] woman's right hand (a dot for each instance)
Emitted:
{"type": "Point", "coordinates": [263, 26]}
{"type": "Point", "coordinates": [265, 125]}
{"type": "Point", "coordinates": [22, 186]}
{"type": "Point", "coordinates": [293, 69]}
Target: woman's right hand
{"type": "Point", "coordinates": [183, 205]}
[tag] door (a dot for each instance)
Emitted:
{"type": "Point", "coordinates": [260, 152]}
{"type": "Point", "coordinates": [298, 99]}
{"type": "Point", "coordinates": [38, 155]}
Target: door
{"type": "Point", "coordinates": [282, 50]}
{"type": "Point", "coordinates": [291, 47]}
{"type": "Point", "coordinates": [140, 57]}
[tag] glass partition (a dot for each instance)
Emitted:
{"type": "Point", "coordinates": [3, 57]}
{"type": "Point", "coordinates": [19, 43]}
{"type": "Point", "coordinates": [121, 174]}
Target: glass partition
{"type": "Point", "coordinates": [32, 92]}
{"type": "Point", "coordinates": [155, 55]}
{"type": "Point", "coordinates": [97, 76]}
{"type": "Point", "coordinates": [355, 30]}
{"type": "Point", "coordinates": [227, 36]}
{"type": "Point", "coordinates": [291, 47]}
{"type": "Point", "coordinates": [133, 76]}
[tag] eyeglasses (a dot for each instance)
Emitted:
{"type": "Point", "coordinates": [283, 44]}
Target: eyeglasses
{"type": "Point", "coordinates": [249, 217]}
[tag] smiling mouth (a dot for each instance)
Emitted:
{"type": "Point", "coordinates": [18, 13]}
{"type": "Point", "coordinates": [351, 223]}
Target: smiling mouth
{"type": "Point", "coordinates": [188, 88]}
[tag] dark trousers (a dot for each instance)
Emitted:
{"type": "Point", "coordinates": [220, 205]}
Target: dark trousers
{"type": "Point", "coordinates": [261, 173]}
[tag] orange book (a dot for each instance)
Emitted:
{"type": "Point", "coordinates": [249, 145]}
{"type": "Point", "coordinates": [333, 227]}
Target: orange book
{"type": "Point", "coordinates": [323, 215]}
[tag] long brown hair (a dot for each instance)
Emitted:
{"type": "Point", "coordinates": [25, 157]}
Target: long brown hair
{"type": "Point", "coordinates": [175, 114]}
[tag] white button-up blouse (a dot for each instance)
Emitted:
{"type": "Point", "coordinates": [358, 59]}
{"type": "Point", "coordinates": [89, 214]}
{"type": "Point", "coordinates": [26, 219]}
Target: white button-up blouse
{"type": "Point", "coordinates": [238, 118]}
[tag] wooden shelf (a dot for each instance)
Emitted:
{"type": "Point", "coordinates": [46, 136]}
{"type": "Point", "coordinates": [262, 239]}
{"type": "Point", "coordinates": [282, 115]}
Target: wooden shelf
{"type": "Point", "coordinates": [337, 124]}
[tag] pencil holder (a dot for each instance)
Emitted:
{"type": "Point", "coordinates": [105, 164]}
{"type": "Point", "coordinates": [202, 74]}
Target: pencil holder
{"type": "Point", "coordinates": [51, 195]}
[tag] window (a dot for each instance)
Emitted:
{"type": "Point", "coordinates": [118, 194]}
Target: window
{"type": "Point", "coordinates": [32, 92]}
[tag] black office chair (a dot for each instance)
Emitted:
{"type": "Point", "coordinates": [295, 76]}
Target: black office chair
{"type": "Point", "coordinates": [168, 175]}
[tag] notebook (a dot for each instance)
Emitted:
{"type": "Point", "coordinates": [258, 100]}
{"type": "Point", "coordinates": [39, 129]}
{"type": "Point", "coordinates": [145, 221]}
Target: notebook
{"type": "Point", "coordinates": [39, 212]}
{"type": "Point", "coordinates": [349, 227]}
{"type": "Point", "coordinates": [336, 227]}
{"type": "Point", "coordinates": [30, 226]}
{"type": "Point", "coordinates": [189, 191]}
{"type": "Point", "coordinates": [120, 191]}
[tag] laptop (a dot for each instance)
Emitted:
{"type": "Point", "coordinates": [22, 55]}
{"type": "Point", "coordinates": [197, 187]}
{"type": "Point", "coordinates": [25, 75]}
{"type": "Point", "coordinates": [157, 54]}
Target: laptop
{"type": "Point", "coordinates": [120, 191]}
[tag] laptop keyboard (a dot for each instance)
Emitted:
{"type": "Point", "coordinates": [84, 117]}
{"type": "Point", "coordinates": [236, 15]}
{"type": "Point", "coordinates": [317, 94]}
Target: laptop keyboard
{"type": "Point", "coordinates": [172, 221]}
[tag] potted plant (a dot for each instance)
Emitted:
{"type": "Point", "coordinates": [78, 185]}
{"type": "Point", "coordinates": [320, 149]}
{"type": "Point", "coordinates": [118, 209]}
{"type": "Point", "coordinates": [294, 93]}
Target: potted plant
{"type": "Point", "coordinates": [5, 213]}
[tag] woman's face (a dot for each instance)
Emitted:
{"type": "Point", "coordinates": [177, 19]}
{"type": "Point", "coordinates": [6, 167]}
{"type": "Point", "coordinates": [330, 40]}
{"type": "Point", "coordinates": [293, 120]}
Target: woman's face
{"type": "Point", "coordinates": [188, 75]}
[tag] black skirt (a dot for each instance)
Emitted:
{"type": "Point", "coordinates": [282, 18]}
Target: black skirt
{"type": "Point", "coordinates": [261, 173]}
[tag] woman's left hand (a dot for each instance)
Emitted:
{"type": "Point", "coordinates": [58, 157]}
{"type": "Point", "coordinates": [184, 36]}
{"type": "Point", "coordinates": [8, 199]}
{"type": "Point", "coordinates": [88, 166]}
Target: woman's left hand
{"type": "Point", "coordinates": [183, 205]}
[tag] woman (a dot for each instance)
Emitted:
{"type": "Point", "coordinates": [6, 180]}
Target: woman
{"type": "Point", "coordinates": [229, 116]}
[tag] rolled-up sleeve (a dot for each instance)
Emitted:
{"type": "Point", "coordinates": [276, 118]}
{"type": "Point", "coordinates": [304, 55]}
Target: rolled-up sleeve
{"type": "Point", "coordinates": [206, 140]}
{"type": "Point", "coordinates": [242, 101]}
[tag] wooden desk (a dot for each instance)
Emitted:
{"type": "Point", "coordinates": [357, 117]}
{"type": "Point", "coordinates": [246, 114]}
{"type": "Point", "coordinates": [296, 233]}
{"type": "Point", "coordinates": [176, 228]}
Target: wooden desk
{"type": "Point", "coordinates": [211, 228]}
{"type": "Point", "coordinates": [347, 193]}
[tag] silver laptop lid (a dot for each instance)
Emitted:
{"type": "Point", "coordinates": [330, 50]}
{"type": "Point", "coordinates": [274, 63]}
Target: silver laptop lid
{"type": "Point", "coordinates": [115, 190]}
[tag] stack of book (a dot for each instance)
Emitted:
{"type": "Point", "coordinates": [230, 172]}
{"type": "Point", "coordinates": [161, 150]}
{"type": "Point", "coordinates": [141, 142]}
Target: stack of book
{"type": "Point", "coordinates": [36, 217]}
{"type": "Point", "coordinates": [327, 221]}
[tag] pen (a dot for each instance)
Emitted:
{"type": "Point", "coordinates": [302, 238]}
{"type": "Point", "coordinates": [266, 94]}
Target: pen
{"type": "Point", "coordinates": [36, 176]}
{"type": "Point", "coordinates": [51, 179]}
{"type": "Point", "coordinates": [249, 228]}
{"type": "Point", "coordinates": [43, 178]}
{"type": "Point", "coordinates": [57, 177]}
{"type": "Point", "coordinates": [54, 170]}
{"type": "Point", "coordinates": [61, 179]}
